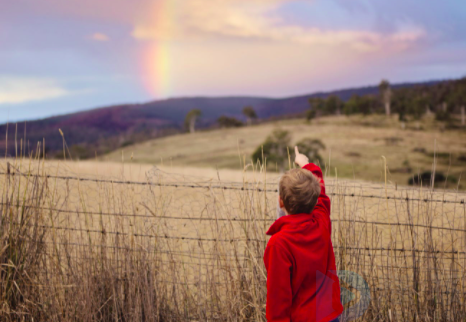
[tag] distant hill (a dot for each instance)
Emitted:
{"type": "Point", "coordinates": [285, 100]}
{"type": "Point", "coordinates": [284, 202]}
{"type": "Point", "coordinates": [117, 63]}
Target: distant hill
{"type": "Point", "coordinates": [104, 129]}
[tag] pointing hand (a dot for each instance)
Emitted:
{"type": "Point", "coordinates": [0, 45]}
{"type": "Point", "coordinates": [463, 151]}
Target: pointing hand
{"type": "Point", "coordinates": [300, 159]}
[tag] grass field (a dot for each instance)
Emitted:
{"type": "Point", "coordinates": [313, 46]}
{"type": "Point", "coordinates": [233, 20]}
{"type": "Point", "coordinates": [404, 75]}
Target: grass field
{"type": "Point", "coordinates": [354, 146]}
{"type": "Point", "coordinates": [103, 241]}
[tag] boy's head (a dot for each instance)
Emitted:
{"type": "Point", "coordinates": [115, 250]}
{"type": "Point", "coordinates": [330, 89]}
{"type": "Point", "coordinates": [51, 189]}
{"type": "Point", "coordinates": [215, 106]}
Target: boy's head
{"type": "Point", "coordinates": [299, 190]}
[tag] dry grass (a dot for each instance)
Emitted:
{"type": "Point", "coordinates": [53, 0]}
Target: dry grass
{"type": "Point", "coordinates": [188, 247]}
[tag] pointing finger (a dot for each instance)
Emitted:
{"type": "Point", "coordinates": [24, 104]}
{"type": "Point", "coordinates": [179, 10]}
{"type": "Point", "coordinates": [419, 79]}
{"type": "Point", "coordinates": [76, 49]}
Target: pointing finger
{"type": "Point", "coordinates": [296, 150]}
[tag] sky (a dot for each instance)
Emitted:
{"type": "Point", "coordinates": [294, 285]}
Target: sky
{"type": "Point", "coordinates": [58, 57]}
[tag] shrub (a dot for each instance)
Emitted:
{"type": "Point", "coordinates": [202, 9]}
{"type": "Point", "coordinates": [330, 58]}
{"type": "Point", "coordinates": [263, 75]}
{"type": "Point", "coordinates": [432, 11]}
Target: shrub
{"type": "Point", "coordinates": [425, 178]}
{"type": "Point", "coordinates": [226, 121]}
{"type": "Point", "coordinates": [274, 149]}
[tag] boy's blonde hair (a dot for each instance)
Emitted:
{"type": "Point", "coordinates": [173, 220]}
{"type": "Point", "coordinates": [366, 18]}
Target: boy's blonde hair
{"type": "Point", "coordinates": [299, 190]}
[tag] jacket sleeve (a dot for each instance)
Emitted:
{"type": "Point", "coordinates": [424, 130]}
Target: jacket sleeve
{"type": "Point", "coordinates": [322, 208]}
{"type": "Point", "coordinates": [279, 295]}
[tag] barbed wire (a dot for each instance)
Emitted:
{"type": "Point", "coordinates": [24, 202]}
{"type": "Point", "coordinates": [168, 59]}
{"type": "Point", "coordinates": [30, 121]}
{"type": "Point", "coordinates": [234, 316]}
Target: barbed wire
{"type": "Point", "coordinates": [397, 290]}
{"type": "Point", "coordinates": [158, 260]}
{"type": "Point", "coordinates": [245, 270]}
{"type": "Point", "coordinates": [112, 214]}
{"type": "Point", "coordinates": [329, 182]}
{"type": "Point", "coordinates": [193, 186]}
{"type": "Point", "coordinates": [200, 239]}
{"type": "Point", "coordinates": [118, 233]}
{"type": "Point", "coordinates": [418, 268]}
{"type": "Point", "coordinates": [232, 219]}
{"type": "Point", "coordinates": [400, 250]}
{"type": "Point", "coordinates": [189, 254]}
{"type": "Point", "coordinates": [396, 224]}
{"type": "Point", "coordinates": [398, 257]}
{"type": "Point", "coordinates": [219, 256]}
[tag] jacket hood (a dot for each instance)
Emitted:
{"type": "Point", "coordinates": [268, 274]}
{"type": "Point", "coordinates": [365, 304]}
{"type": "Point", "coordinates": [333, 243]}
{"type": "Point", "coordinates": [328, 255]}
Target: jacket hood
{"type": "Point", "coordinates": [290, 220]}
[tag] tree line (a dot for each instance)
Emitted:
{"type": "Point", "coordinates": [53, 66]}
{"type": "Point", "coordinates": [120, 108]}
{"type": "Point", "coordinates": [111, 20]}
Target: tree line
{"type": "Point", "coordinates": [445, 99]}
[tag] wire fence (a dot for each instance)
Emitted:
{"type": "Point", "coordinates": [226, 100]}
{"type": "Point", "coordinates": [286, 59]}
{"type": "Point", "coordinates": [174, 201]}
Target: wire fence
{"type": "Point", "coordinates": [269, 218]}
{"type": "Point", "coordinates": [225, 187]}
{"type": "Point", "coordinates": [204, 237]}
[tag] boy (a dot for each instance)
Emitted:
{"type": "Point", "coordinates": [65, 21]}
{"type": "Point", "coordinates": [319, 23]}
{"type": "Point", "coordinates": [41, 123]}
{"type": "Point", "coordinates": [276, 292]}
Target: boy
{"type": "Point", "coordinates": [302, 284]}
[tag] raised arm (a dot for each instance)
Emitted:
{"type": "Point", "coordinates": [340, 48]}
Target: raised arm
{"type": "Point", "coordinates": [322, 208]}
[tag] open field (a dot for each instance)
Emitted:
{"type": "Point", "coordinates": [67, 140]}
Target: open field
{"type": "Point", "coordinates": [354, 146]}
{"type": "Point", "coordinates": [94, 241]}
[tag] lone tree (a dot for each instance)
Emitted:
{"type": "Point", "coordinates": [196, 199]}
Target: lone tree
{"type": "Point", "coordinates": [250, 114]}
{"type": "Point", "coordinates": [386, 94]}
{"type": "Point", "coordinates": [274, 149]}
{"type": "Point", "coordinates": [191, 118]}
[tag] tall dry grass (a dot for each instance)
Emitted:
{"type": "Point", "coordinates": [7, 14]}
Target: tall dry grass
{"type": "Point", "coordinates": [184, 248]}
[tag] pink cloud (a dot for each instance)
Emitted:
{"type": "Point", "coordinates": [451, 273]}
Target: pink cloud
{"type": "Point", "coordinates": [98, 36]}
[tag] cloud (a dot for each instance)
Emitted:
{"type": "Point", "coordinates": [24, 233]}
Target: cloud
{"type": "Point", "coordinates": [100, 37]}
{"type": "Point", "coordinates": [15, 90]}
{"type": "Point", "coordinates": [166, 20]}
{"type": "Point", "coordinates": [261, 20]}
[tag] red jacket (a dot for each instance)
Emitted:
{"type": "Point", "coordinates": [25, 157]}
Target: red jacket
{"type": "Point", "coordinates": [302, 284]}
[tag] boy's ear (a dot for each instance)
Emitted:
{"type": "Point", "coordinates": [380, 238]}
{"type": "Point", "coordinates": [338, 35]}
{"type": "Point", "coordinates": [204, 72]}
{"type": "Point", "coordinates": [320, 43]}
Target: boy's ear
{"type": "Point", "coordinates": [280, 202]}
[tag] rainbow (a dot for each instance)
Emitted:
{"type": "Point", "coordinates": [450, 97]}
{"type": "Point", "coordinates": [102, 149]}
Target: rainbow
{"type": "Point", "coordinates": [157, 57]}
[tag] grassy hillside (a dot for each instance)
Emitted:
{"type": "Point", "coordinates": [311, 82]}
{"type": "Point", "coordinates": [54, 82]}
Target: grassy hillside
{"type": "Point", "coordinates": [354, 147]}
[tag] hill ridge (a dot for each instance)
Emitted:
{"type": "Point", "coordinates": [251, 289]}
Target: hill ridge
{"type": "Point", "coordinates": [103, 129]}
